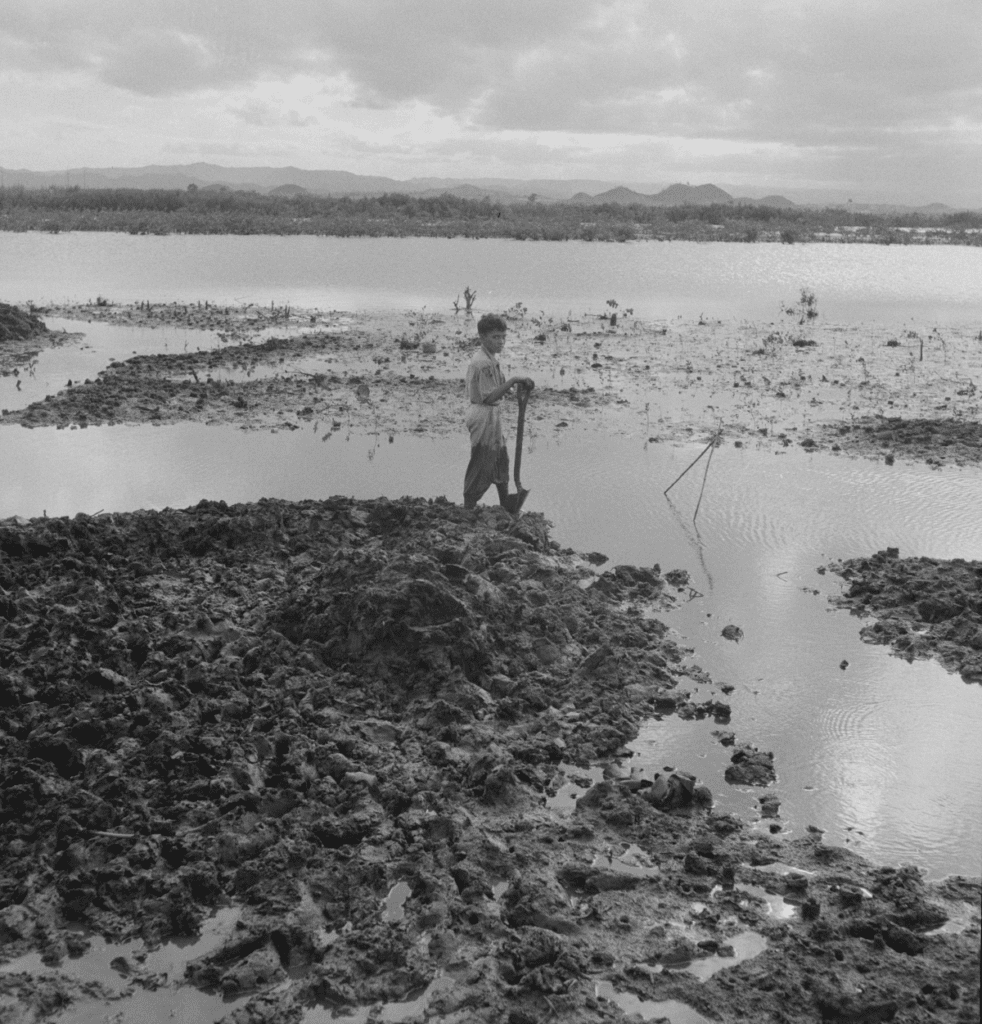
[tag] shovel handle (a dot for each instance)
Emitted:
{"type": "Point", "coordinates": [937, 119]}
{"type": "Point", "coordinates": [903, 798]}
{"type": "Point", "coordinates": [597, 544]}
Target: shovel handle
{"type": "Point", "coordinates": [523, 398]}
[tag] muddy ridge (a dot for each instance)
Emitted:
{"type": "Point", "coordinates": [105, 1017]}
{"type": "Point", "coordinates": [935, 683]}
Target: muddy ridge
{"type": "Point", "coordinates": [924, 607]}
{"type": "Point", "coordinates": [857, 391]}
{"type": "Point", "coordinates": [22, 335]}
{"type": "Point", "coordinates": [354, 721]}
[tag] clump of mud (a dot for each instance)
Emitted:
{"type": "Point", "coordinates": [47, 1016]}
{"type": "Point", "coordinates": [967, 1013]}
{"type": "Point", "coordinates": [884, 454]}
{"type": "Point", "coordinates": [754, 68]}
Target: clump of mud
{"type": "Point", "coordinates": [347, 719]}
{"type": "Point", "coordinates": [16, 325]}
{"type": "Point", "coordinates": [22, 334]}
{"type": "Point", "coordinates": [924, 607]}
{"type": "Point", "coordinates": [949, 439]}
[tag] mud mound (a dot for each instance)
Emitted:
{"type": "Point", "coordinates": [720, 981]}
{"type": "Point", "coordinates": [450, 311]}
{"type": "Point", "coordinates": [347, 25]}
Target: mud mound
{"type": "Point", "coordinates": [934, 441]}
{"type": "Point", "coordinates": [190, 700]}
{"type": "Point", "coordinates": [344, 719]}
{"type": "Point", "coordinates": [22, 335]}
{"type": "Point", "coordinates": [924, 607]}
{"type": "Point", "coordinates": [16, 325]}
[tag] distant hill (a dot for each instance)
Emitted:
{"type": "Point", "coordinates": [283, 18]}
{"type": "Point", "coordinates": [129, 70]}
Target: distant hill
{"type": "Point", "coordinates": [623, 196]}
{"type": "Point", "coordinates": [289, 190]}
{"type": "Point", "coordinates": [674, 195]}
{"type": "Point", "coordinates": [779, 201]}
{"type": "Point", "coordinates": [502, 190]}
{"type": "Point", "coordinates": [691, 195]}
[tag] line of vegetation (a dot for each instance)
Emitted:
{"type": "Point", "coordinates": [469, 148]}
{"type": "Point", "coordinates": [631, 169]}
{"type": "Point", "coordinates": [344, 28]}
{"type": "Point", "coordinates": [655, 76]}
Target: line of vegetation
{"type": "Point", "coordinates": [201, 211]}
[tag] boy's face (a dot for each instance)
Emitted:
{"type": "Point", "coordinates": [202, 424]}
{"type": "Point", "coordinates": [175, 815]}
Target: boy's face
{"type": "Point", "coordinates": [494, 341]}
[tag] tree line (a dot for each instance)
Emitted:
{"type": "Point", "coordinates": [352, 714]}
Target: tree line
{"type": "Point", "coordinates": [206, 211]}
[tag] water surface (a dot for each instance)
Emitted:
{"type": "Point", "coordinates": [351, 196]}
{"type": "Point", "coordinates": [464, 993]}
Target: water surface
{"type": "Point", "coordinates": [935, 284]}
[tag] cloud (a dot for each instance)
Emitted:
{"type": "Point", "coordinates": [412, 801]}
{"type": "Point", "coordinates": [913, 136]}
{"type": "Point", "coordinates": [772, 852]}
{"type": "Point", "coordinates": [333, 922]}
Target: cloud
{"type": "Point", "coordinates": [791, 69]}
{"type": "Point", "coordinates": [771, 83]}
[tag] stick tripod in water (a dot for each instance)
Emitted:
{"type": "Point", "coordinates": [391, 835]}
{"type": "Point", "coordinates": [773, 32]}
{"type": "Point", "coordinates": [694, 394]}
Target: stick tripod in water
{"type": "Point", "coordinates": [709, 448]}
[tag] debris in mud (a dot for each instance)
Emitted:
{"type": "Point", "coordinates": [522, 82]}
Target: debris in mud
{"type": "Point", "coordinates": [732, 632]}
{"type": "Point", "coordinates": [924, 607]}
{"type": "Point", "coordinates": [750, 767]}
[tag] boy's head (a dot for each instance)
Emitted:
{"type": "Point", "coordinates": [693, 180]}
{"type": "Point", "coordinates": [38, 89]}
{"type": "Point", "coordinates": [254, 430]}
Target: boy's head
{"type": "Point", "coordinates": [491, 323]}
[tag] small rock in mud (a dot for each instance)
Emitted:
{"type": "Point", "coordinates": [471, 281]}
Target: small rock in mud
{"type": "Point", "coordinates": [750, 767]}
{"type": "Point", "coordinates": [770, 806]}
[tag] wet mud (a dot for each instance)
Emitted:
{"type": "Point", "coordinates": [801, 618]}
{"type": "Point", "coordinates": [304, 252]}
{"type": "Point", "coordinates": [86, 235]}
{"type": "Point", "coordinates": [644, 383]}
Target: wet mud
{"type": "Point", "coordinates": [923, 607]}
{"type": "Point", "coordinates": [863, 391]}
{"type": "Point", "coordinates": [348, 720]}
{"type": "Point", "coordinates": [23, 335]}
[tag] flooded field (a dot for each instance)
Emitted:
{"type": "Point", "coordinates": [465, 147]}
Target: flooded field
{"type": "Point", "coordinates": [878, 755]}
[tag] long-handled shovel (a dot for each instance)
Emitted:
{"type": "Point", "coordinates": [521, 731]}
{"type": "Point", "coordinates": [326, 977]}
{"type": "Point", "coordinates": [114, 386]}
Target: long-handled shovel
{"type": "Point", "coordinates": [514, 502]}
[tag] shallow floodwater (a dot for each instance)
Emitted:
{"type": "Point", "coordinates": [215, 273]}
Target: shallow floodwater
{"type": "Point", "coordinates": [886, 284]}
{"type": "Point", "coordinates": [88, 351]}
{"type": "Point", "coordinates": [883, 755]}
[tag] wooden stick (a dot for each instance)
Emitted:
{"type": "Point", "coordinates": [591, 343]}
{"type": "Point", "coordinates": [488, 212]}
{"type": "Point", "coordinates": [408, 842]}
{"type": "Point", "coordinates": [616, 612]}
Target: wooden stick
{"type": "Point", "coordinates": [705, 475]}
{"type": "Point", "coordinates": [691, 464]}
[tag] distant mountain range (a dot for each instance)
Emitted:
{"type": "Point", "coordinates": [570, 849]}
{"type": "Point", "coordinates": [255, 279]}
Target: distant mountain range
{"type": "Point", "coordinates": [674, 195]}
{"type": "Point", "coordinates": [297, 181]}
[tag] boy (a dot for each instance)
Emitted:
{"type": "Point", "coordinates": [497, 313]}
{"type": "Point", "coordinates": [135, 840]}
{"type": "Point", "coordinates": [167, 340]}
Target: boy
{"type": "Point", "coordinates": [486, 386]}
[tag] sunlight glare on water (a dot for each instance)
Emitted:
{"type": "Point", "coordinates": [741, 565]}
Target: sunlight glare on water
{"type": "Point", "coordinates": [887, 284]}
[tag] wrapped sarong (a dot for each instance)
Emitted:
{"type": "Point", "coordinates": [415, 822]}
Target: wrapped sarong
{"type": "Point", "coordinates": [489, 457]}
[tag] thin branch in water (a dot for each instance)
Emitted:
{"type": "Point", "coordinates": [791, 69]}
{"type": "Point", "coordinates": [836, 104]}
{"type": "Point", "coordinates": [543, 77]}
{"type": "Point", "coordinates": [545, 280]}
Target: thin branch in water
{"type": "Point", "coordinates": [705, 475]}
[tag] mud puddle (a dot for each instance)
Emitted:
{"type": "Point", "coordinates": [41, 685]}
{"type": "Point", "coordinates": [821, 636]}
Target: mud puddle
{"type": "Point", "coordinates": [649, 1009]}
{"type": "Point", "coordinates": [139, 985]}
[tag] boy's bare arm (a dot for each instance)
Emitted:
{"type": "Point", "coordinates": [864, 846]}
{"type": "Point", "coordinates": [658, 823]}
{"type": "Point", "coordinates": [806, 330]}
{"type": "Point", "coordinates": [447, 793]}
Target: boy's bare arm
{"type": "Point", "coordinates": [503, 389]}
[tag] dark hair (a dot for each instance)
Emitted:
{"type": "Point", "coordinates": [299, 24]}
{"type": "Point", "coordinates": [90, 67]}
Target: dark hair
{"type": "Point", "coordinates": [489, 323]}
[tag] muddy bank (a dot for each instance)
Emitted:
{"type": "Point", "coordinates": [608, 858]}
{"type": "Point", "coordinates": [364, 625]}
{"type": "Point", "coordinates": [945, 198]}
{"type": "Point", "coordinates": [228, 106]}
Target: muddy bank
{"type": "Point", "coordinates": [23, 335]}
{"type": "Point", "coordinates": [853, 390]}
{"type": "Point", "coordinates": [350, 720]}
{"type": "Point", "coordinates": [938, 442]}
{"type": "Point", "coordinates": [924, 607]}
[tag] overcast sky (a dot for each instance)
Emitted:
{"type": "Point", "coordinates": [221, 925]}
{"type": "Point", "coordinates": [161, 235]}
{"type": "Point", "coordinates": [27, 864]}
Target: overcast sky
{"type": "Point", "coordinates": [877, 98]}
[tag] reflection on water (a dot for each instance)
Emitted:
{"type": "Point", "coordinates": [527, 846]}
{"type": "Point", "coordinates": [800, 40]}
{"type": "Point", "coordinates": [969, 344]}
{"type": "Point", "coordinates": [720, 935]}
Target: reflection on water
{"type": "Point", "coordinates": [887, 284]}
{"type": "Point", "coordinates": [649, 1009]}
{"type": "Point", "coordinates": [160, 997]}
{"type": "Point", "coordinates": [882, 755]}
{"type": "Point", "coordinates": [92, 348]}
